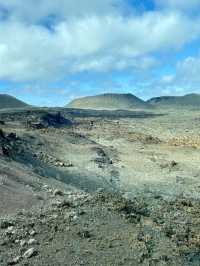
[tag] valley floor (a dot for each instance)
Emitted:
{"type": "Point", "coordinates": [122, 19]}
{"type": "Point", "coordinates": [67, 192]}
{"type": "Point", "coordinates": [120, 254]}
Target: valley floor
{"type": "Point", "coordinates": [99, 187]}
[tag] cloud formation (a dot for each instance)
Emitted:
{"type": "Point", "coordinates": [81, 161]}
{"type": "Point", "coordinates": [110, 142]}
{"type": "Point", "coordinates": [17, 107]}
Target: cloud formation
{"type": "Point", "coordinates": [33, 11]}
{"type": "Point", "coordinates": [47, 41]}
{"type": "Point", "coordinates": [187, 74]}
{"type": "Point", "coordinates": [93, 42]}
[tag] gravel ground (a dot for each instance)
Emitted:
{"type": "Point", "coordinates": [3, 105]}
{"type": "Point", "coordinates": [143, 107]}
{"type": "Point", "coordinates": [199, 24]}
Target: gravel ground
{"type": "Point", "coordinates": [99, 188]}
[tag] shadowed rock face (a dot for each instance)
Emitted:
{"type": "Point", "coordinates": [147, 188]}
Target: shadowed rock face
{"type": "Point", "coordinates": [109, 101]}
{"type": "Point", "coordinates": [50, 120]}
{"type": "Point", "coordinates": [186, 100]}
{"type": "Point", "coordinates": [7, 101]}
{"type": "Point", "coordinates": [7, 143]}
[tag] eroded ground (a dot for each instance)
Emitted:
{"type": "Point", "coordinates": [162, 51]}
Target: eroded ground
{"type": "Point", "coordinates": [99, 188]}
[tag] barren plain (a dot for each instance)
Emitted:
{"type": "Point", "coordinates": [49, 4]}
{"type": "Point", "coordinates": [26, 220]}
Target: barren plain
{"type": "Point", "coordinates": [85, 187]}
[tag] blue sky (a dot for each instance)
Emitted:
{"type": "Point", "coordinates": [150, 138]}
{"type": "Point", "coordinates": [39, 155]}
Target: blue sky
{"type": "Point", "coordinates": [54, 51]}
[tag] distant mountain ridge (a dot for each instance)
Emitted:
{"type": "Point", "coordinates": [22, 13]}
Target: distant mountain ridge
{"type": "Point", "coordinates": [7, 101]}
{"type": "Point", "coordinates": [192, 99]}
{"type": "Point", "coordinates": [109, 101]}
{"type": "Point", "coordinates": [114, 101]}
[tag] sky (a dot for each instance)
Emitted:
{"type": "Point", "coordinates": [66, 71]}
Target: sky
{"type": "Point", "coordinates": [52, 51]}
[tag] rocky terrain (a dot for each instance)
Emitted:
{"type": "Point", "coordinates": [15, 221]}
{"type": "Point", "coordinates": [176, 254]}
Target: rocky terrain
{"type": "Point", "coordinates": [85, 187]}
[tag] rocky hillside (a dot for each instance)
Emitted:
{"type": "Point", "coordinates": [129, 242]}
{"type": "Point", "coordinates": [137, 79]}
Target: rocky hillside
{"type": "Point", "coordinates": [186, 100]}
{"type": "Point", "coordinates": [7, 101]}
{"type": "Point", "coordinates": [109, 101]}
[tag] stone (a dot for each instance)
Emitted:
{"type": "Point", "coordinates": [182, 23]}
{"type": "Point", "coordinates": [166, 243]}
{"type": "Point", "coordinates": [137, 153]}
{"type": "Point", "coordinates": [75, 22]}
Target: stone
{"type": "Point", "coordinates": [32, 233]}
{"type": "Point", "coordinates": [63, 204]}
{"type": "Point", "coordinates": [55, 216]}
{"type": "Point", "coordinates": [10, 230]}
{"type": "Point", "coordinates": [173, 163]}
{"type": "Point", "coordinates": [84, 234]}
{"type": "Point", "coordinates": [22, 243]}
{"type": "Point", "coordinates": [69, 164]}
{"type": "Point", "coordinates": [14, 261]}
{"type": "Point", "coordinates": [32, 241]}
{"type": "Point", "coordinates": [70, 215]}
{"type": "Point", "coordinates": [39, 197]}
{"type": "Point", "coordinates": [30, 253]}
{"type": "Point", "coordinates": [75, 218]}
{"type": "Point", "coordinates": [58, 192]}
{"type": "Point", "coordinates": [4, 224]}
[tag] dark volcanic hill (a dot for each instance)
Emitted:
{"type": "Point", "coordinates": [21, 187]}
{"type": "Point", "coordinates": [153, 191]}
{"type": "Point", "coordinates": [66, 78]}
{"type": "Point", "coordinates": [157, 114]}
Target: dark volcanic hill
{"type": "Point", "coordinates": [186, 100]}
{"type": "Point", "coordinates": [109, 101]}
{"type": "Point", "coordinates": [7, 101]}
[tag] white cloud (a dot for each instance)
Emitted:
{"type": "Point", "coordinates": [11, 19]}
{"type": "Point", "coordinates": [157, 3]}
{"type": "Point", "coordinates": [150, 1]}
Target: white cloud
{"type": "Point", "coordinates": [186, 79]}
{"type": "Point", "coordinates": [100, 40]}
{"type": "Point", "coordinates": [36, 10]}
{"type": "Point", "coordinates": [188, 72]}
{"type": "Point", "coordinates": [109, 63]}
{"type": "Point", "coordinates": [167, 79]}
